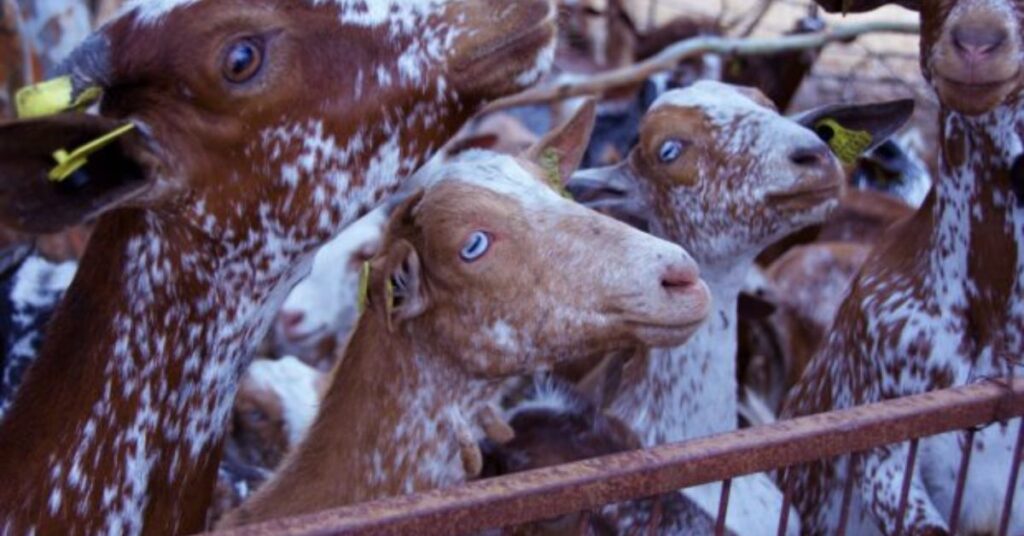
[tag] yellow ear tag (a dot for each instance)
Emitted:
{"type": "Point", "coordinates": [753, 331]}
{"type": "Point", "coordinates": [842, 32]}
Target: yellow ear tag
{"type": "Point", "coordinates": [389, 296]}
{"type": "Point", "coordinates": [68, 163]}
{"type": "Point", "coordinates": [549, 163]}
{"type": "Point", "coordinates": [52, 97]}
{"type": "Point", "coordinates": [847, 144]}
{"type": "Point", "coordinates": [364, 288]}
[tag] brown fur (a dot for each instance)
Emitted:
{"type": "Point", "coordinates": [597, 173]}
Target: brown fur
{"type": "Point", "coordinates": [934, 304]}
{"type": "Point", "coordinates": [419, 368]}
{"type": "Point", "coordinates": [179, 265]}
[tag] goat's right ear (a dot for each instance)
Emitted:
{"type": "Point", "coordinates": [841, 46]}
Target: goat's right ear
{"type": "Point", "coordinates": [398, 292]}
{"type": "Point", "coordinates": [860, 6]}
{"type": "Point", "coordinates": [854, 129]}
{"type": "Point", "coordinates": [561, 151]}
{"type": "Point", "coordinates": [112, 175]}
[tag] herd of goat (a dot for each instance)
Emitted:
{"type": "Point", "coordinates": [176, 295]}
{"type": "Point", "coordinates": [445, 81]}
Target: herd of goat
{"type": "Point", "coordinates": [439, 298]}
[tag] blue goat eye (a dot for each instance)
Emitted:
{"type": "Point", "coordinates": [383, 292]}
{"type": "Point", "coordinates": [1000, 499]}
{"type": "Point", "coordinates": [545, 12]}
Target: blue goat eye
{"type": "Point", "coordinates": [670, 151]}
{"type": "Point", "coordinates": [477, 245]}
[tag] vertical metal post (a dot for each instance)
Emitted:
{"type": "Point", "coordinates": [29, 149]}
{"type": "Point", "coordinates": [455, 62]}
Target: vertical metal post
{"type": "Point", "coordinates": [583, 528]}
{"type": "Point", "coordinates": [786, 502]}
{"type": "Point", "coordinates": [908, 477]}
{"type": "Point", "coordinates": [654, 523]}
{"type": "Point", "coordinates": [723, 508]}
{"type": "Point", "coordinates": [851, 476]}
{"type": "Point", "coordinates": [961, 481]}
{"type": "Point", "coordinates": [1004, 523]}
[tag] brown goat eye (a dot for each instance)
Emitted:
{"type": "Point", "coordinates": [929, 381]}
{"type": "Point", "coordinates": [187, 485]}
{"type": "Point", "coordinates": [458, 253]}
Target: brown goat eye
{"type": "Point", "coordinates": [242, 61]}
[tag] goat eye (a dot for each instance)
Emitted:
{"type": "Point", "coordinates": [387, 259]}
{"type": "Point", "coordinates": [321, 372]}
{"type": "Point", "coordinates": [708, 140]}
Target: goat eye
{"type": "Point", "coordinates": [242, 61]}
{"type": "Point", "coordinates": [670, 151]}
{"type": "Point", "coordinates": [477, 245]}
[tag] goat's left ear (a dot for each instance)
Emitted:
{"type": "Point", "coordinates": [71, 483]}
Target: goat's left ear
{"type": "Point", "coordinates": [561, 151]}
{"type": "Point", "coordinates": [854, 129]}
{"type": "Point", "coordinates": [397, 290]}
{"type": "Point", "coordinates": [59, 171]}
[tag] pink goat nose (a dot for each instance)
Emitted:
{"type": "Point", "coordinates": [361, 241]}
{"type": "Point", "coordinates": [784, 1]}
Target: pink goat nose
{"type": "Point", "coordinates": [680, 276]}
{"type": "Point", "coordinates": [975, 42]}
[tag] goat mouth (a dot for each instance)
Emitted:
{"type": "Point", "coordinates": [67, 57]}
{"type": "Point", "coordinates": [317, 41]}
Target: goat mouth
{"type": "Point", "coordinates": [806, 197]}
{"type": "Point", "coordinates": [976, 85]}
{"type": "Point", "coordinates": [983, 86]}
{"type": "Point", "coordinates": [665, 334]}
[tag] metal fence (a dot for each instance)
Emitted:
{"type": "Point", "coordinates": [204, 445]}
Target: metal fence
{"type": "Point", "coordinates": [589, 485]}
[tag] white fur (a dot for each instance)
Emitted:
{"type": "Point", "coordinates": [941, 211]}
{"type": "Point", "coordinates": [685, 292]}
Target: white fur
{"type": "Point", "coordinates": [294, 383]}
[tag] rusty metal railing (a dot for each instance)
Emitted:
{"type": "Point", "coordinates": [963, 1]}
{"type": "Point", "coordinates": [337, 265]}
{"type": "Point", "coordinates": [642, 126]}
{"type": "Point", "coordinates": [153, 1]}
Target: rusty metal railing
{"type": "Point", "coordinates": [588, 485]}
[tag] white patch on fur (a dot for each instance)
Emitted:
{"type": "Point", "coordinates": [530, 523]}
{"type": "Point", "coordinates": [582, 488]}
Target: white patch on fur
{"type": "Point", "coordinates": [327, 298]}
{"type": "Point", "coordinates": [151, 11]}
{"type": "Point", "coordinates": [38, 280]}
{"type": "Point", "coordinates": [294, 383]}
{"type": "Point", "coordinates": [547, 395]}
{"type": "Point", "coordinates": [543, 66]}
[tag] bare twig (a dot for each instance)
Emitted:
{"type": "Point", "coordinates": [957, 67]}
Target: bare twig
{"type": "Point", "coordinates": [759, 13]}
{"type": "Point", "coordinates": [652, 14]}
{"type": "Point", "coordinates": [670, 57]}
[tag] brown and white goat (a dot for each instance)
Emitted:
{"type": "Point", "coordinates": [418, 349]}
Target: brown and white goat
{"type": "Point", "coordinates": [940, 301]}
{"type": "Point", "coordinates": [262, 129]}
{"type": "Point", "coordinates": [488, 274]}
{"type": "Point", "coordinates": [720, 172]}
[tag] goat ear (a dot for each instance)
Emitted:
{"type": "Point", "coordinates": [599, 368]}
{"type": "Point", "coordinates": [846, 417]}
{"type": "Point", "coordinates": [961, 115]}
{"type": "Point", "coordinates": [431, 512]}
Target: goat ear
{"type": "Point", "coordinates": [860, 6]}
{"type": "Point", "coordinates": [757, 96]}
{"type": "Point", "coordinates": [561, 151]}
{"type": "Point", "coordinates": [469, 143]}
{"type": "Point", "coordinates": [112, 175]}
{"type": "Point", "coordinates": [852, 130]}
{"type": "Point", "coordinates": [399, 293]}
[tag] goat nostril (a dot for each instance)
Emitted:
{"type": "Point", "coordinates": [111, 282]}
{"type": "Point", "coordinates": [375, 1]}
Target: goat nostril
{"type": "Point", "coordinates": [290, 319]}
{"type": "Point", "coordinates": [810, 157]}
{"type": "Point", "coordinates": [976, 41]}
{"type": "Point", "coordinates": [680, 277]}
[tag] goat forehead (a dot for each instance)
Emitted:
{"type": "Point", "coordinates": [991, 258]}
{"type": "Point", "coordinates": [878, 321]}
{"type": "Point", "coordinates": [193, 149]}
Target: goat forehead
{"type": "Point", "coordinates": [721, 103]}
{"type": "Point", "coordinates": [403, 13]}
{"type": "Point", "coordinates": [497, 173]}
{"type": "Point", "coordinates": [753, 128]}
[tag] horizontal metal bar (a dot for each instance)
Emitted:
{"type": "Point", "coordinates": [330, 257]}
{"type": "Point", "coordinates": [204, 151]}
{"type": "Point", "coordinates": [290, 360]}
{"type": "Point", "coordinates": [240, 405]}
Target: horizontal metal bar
{"type": "Point", "coordinates": [556, 491]}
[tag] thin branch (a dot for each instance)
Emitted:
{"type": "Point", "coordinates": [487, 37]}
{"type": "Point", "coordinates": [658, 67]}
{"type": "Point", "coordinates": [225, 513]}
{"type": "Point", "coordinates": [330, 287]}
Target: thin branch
{"type": "Point", "coordinates": [755, 21]}
{"type": "Point", "coordinates": [669, 58]}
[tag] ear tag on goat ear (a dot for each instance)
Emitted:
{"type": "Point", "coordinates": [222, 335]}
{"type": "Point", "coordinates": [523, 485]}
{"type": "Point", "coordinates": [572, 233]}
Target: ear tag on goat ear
{"type": "Point", "coordinates": [68, 163]}
{"type": "Point", "coordinates": [364, 287]}
{"type": "Point", "coordinates": [52, 97]}
{"type": "Point", "coordinates": [847, 144]}
{"type": "Point", "coordinates": [550, 163]}
{"type": "Point", "coordinates": [389, 299]}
